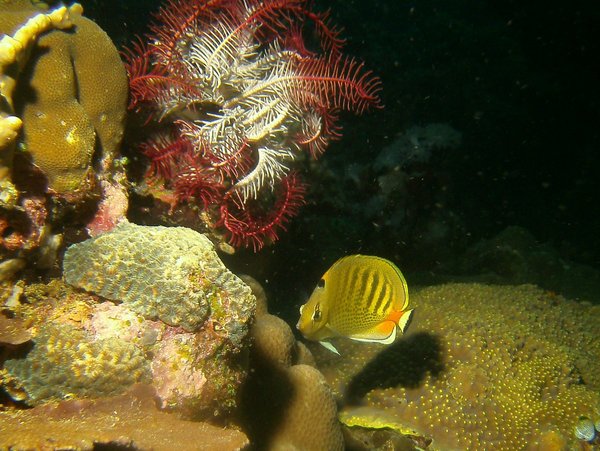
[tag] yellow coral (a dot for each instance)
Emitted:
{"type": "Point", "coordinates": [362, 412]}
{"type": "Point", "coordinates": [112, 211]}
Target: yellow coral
{"type": "Point", "coordinates": [65, 362]}
{"type": "Point", "coordinates": [482, 367]}
{"type": "Point", "coordinates": [14, 51]}
{"type": "Point", "coordinates": [71, 89]}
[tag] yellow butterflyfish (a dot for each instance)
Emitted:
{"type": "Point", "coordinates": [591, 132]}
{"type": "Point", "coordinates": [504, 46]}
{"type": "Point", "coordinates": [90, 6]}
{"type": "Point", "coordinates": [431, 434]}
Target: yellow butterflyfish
{"type": "Point", "coordinates": [360, 297]}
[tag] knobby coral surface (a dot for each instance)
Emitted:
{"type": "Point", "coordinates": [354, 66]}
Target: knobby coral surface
{"type": "Point", "coordinates": [68, 362]}
{"type": "Point", "coordinates": [286, 402]}
{"type": "Point", "coordinates": [482, 367]}
{"type": "Point", "coordinates": [180, 322]}
{"type": "Point", "coordinates": [240, 98]}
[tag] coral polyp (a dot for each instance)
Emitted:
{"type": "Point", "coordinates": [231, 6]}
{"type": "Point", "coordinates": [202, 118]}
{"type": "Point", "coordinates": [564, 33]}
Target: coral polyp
{"type": "Point", "coordinates": [243, 99]}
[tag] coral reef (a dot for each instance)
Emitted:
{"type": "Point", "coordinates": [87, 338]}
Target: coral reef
{"type": "Point", "coordinates": [169, 273]}
{"type": "Point", "coordinates": [515, 256]}
{"type": "Point", "coordinates": [13, 331]}
{"type": "Point", "coordinates": [64, 93]}
{"type": "Point", "coordinates": [482, 367]}
{"type": "Point", "coordinates": [196, 362]}
{"type": "Point", "coordinates": [129, 421]}
{"type": "Point", "coordinates": [286, 402]}
{"type": "Point", "coordinates": [70, 90]}
{"type": "Point", "coordinates": [66, 362]}
{"type": "Point", "coordinates": [240, 99]}
{"type": "Point", "coordinates": [309, 420]}
{"type": "Point", "coordinates": [159, 272]}
{"type": "Point", "coordinates": [15, 51]}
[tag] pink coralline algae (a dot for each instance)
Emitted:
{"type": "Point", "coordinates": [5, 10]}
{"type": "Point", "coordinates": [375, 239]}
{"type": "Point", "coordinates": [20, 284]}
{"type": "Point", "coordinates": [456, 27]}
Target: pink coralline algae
{"type": "Point", "coordinates": [165, 311]}
{"type": "Point", "coordinates": [237, 99]}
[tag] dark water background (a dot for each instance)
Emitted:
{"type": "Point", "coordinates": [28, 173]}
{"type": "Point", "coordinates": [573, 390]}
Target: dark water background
{"type": "Point", "coordinates": [519, 80]}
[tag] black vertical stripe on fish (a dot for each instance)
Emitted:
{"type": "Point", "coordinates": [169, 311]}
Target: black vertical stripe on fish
{"type": "Point", "coordinates": [362, 290]}
{"type": "Point", "coordinates": [387, 308]}
{"type": "Point", "coordinates": [362, 286]}
{"type": "Point", "coordinates": [353, 288]}
{"type": "Point", "coordinates": [381, 282]}
{"type": "Point", "coordinates": [402, 282]}
{"type": "Point", "coordinates": [383, 302]}
{"type": "Point", "coordinates": [348, 286]}
{"type": "Point", "coordinates": [341, 286]}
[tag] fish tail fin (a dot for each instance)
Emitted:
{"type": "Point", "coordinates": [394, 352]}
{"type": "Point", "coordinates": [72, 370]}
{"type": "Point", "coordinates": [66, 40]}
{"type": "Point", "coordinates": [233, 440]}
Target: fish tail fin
{"type": "Point", "coordinates": [404, 319]}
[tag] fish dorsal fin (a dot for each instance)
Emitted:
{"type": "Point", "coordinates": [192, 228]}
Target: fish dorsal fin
{"type": "Point", "coordinates": [329, 347]}
{"type": "Point", "coordinates": [405, 319]}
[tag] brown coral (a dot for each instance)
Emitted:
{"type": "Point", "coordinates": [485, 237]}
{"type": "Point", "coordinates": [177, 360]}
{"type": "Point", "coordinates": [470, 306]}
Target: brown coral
{"type": "Point", "coordinates": [482, 368]}
{"type": "Point", "coordinates": [287, 403]}
{"type": "Point", "coordinates": [310, 421]}
{"type": "Point", "coordinates": [15, 48]}
{"type": "Point", "coordinates": [72, 90]}
{"type": "Point", "coordinates": [273, 340]}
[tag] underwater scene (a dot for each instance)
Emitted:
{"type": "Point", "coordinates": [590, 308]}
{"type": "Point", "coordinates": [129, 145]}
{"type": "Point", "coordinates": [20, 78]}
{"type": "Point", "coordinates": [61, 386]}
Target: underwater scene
{"type": "Point", "coordinates": [299, 225]}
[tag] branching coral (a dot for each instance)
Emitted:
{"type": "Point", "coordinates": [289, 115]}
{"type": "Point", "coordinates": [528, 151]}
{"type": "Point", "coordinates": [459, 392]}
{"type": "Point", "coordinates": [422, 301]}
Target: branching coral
{"type": "Point", "coordinates": [243, 98]}
{"type": "Point", "coordinates": [482, 368]}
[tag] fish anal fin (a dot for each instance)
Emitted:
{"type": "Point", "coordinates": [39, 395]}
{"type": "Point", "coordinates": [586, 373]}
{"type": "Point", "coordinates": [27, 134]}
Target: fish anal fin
{"type": "Point", "coordinates": [384, 333]}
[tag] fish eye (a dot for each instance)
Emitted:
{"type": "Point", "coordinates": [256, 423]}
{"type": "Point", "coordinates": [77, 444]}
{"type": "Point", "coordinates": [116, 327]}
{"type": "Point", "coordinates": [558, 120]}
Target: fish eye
{"type": "Point", "coordinates": [321, 283]}
{"type": "Point", "coordinates": [317, 313]}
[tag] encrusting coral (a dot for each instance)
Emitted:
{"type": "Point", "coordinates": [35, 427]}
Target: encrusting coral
{"type": "Point", "coordinates": [68, 362]}
{"type": "Point", "coordinates": [482, 367]}
{"type": "Point", "coordinates": [159, 272]}
{"type": "Point", "coordinates": [192, 340]}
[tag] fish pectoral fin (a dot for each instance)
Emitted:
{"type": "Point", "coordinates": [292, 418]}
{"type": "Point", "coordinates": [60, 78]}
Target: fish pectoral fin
{"type": "Point", "coordinates": [383, 333]}
{"type": "Point", "coordinates": [329, 346]}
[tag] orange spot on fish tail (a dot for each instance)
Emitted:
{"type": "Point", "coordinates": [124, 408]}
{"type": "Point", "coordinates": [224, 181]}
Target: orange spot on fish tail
{"type": "Point", "coordinates": [394, 316]}
{"type": "Point", "coordinates": [385, 329]}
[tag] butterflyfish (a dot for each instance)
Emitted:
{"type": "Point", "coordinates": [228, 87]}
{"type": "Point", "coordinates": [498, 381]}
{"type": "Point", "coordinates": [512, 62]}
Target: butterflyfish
{"type": "Point", "coordinates": [361, 297]}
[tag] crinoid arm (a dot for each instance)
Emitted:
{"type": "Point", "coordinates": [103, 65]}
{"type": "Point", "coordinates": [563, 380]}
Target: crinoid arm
{"type": "Point", "coordinates": [248, 227]}
{"type": "Point", "coordinates": [272, 165]}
